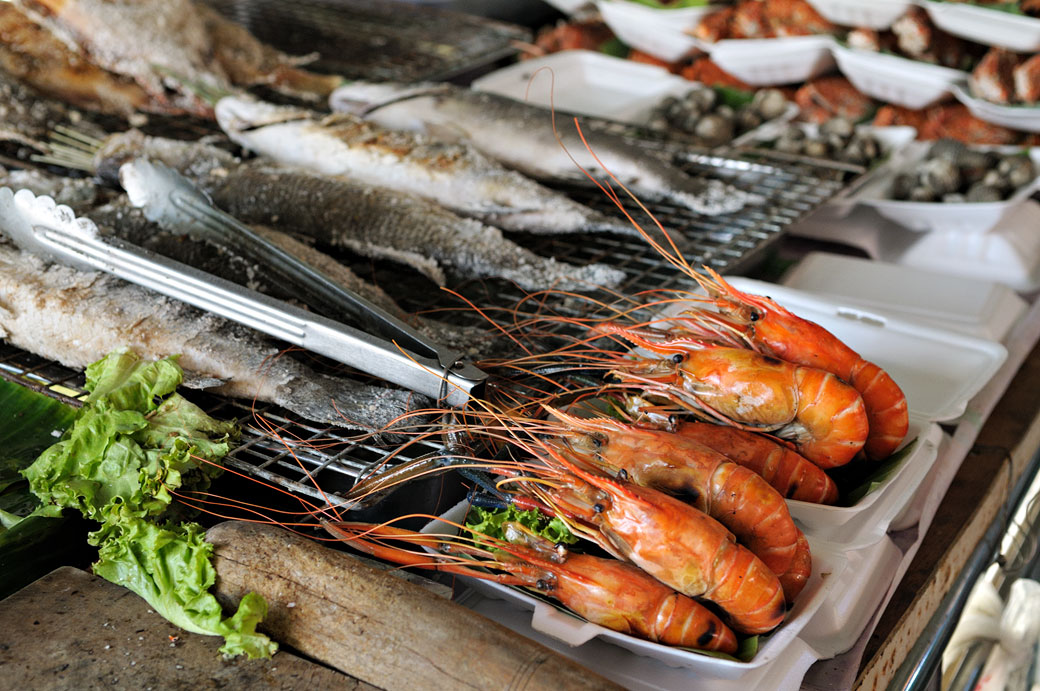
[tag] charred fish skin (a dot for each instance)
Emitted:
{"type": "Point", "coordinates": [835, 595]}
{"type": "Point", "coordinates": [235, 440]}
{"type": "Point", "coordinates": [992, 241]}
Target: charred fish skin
{"type": "Point", "coordinates": [524, 137]}
{"type": "Point", "coordinates": [76, 317]}
{"type": "Point", "coordinates": [383, 223]}
{"type": "Point", "coordinates": [453, 174]}
{"type": "Point", "coordinates": [120, 219]}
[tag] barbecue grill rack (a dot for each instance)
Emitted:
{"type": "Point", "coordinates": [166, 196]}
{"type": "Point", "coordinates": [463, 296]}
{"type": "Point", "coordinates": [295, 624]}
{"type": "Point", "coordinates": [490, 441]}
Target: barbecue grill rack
{"type": "Point", "coordinates": [378, 39]}
{"type": "Point", "coordinates": [320, 464]}
{"type": "Point", "coordinates": [347, 33]}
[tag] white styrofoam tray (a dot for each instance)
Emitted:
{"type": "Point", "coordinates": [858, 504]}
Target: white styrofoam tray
{"type": "Point", "coordinates": [1009, 253]}
{"type": "Point", "coordinates": [875, 14]}
{"type": "Point", "coordinates": [963, 217]}
{"type": "Point", "coordinates": [773, 61]}
{"type": "Point", "coordinates": [938, 371]}
{"type": "Point", "coordinates": [569, 6]}
{"type": "Point", "coordinates": [896, 79]}
{"type": "Point", "coordinates": [664, 33]}
{"type": "Point", "coordinates": [983, 309]}
{"type": "Point", "coordinates": [854, 599]}
{"type": "Point", "coordinates": [1017, 117]}
{"type": "Point", "coordinates": [988, 26]}
{"type": "Point", "coordinates": [867, 522]}
{"type": "Point", "coordinates": [828, 563]}
{"type": "Point", "coordinates": [587, 83]}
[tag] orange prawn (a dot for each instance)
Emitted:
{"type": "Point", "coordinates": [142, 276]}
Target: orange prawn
{"type": "Point", "coordinates": [671, 540]}
{"type": "Point", "coordinates": [730, 493]}
{"type": "Point", "coordinates": [788, 472]}
{"type": "Point", "coordinates": [608, 592]}
{"type": "Point", "coordinates": [823, 416]}
{"type": "Point", "coordinates": [768, 327]}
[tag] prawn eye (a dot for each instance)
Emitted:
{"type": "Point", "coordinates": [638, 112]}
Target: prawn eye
{"type": "Point", "coordinates": [543, 584]}
{"type": "Point", "coordinates": [622, 474]}
{"type": "Point", "coordinates": [754, 315]}
{"type": "Point", "coordinates": [596, 441]}
{"type": "Point", "coordinates": [678, 358]}
{"type": "Point", "coordinates": [597, 508]}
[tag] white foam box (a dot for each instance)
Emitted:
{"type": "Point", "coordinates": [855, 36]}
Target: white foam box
{"type": "Point", "coordinates": [896, 79]}
{"type": "Point", "coordinates": [774, 61]}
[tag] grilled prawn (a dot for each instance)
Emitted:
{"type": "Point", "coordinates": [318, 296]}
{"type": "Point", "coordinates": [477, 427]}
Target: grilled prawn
{"type": "Point", "coordinates": [823, 416]}
{"type": "Point", "coordinates": [733, 495]}
{"type": "Point", "coordinates": [767, 327]}
{"type": "Point", "coordinates": [607, 592]}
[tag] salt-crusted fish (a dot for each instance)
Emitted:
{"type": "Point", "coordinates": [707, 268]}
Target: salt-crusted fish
{"type": "Point", "coordinates": [79, 194]}
{"type": "Point", "coordinates": [453, 174]}
{"type": "Point", "coordinates": [120, 219]}
{"type": "Point", "coordinates": [368, 220]}
{"type": "Point", "coordinates": [170, 50]}
{"type": "Point", "coordinates": [377, 222]}
{"type": "Point", "coordinates": [521, 136]}
{"type": "Point", "coordinates": [76, 317]}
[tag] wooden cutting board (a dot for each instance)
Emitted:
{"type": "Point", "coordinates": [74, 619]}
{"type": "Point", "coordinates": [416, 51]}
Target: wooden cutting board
{"type": "Point", "coordinates": [72, 630]}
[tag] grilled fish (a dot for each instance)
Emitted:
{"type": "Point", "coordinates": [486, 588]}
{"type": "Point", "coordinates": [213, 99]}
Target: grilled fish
{"type": "Point", "coordinates": [522, 137]}
{"type": "Point", "coordinates": [454, 175]}
{"type": "Point", "coordinates": [77, 317]}
{"type": "Point", "coordinates": [371, 221]}
{"type": "Point", "coordinates": [120, 219]}
{"type": "Point", "coordinates": [174, 52]}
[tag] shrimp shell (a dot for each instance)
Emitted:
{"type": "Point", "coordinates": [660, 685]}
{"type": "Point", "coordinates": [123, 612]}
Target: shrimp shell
{"type": "Point", "coordinates": [731, 494]}
{"type": "Point", "coordinates": [767, 325]}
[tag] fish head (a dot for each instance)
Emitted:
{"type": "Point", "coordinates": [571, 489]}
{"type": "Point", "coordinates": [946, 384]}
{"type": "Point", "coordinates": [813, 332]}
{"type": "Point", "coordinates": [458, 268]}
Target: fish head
{"type": "Point", "coordinates": [240, 114]}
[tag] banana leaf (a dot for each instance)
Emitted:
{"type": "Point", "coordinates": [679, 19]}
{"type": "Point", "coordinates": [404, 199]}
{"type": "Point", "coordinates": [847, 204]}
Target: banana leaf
{"type": "Point", "coordinates": [29, 423]}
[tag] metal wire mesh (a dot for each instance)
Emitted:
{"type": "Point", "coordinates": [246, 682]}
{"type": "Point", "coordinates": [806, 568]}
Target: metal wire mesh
{"type": "Point", "coordinates": [377, 39]}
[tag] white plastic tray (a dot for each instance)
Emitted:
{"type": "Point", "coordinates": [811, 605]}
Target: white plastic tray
{"type": "Point", "coordinates": [828, 565]}
{"type": "Point", "coordinates": [1020, 117]}
{"type": "Point", "coordinates": [895, 79]}
{"type": "Point", "coordinates": [587, 83]}
{"type": "Point", "coordinates": [866, 523]}
{"type": "Point", "coordinates": [1009, 253]}
{"type": "Point", "coordinates": [983, 309]}
{"type": "Point", "coordinates": [964, 217]}
{"type": "Point", "coordinates": [854, 599]}
{"type": "Point", "coordinates": [983, 25]}
{"type": "Point", "coordinates": [662, 33]}
{"type": "Point", "coordinates": [938, 370]}
{"type": "Point", "coordinates": [773, 61]}
{"type": "Point", "coordinates": [873, 14]}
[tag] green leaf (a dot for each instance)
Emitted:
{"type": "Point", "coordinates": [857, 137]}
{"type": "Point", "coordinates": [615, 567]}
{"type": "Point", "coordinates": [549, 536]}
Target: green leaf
{"type": "Point", "coordinates": [734, 97]}
{"type": "Point", "coordinates": [169, 566]}
{"type": "Point", "coordinates": [134, 442]}
{"type": "Point", "coordinates": [864, 478]}
{"type": "Point", "coordinates": [490, 522]}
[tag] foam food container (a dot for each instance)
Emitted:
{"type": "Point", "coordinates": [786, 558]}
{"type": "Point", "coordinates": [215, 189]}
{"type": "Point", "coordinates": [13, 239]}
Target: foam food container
{"type": "Point", "coordinates": [987, 26]}
{"type": "Point", "coordinates": [963, 217]}
{"type": "Point", "coordinates": [587, 83]}
{"type": "Point", "coordinates": [983, 309]}
{"type": "Point", "coordinates": [874, 14]}
{"type": "Point", "coordinates": [1017, 117]}
{"type": "Point", "coordinates": [896, 79]}
{"type": "Point", "coordinates": [662, 33]}
{"type": "Point", "coordinates": [828, 564]}
{"type": "Point", "coordinates": [862, 525]}
{"type": "Point", "coordinates": [772, 61]}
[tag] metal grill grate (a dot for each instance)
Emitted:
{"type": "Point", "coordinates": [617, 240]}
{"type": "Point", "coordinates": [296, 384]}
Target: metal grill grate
{"type": "Point", "coordinates": [331, 462]}
{"type": "Point", "coordinates": [377, 39]}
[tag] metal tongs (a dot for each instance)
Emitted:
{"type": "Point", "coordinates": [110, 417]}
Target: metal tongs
{"type": "Point", "coordinates": [395, 352]}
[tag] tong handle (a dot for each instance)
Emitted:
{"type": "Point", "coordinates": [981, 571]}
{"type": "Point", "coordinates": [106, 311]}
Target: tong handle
{"type": "Point", "coordinates": [78, 244]}
{"type": "Point", "coordinates": [172, 201]}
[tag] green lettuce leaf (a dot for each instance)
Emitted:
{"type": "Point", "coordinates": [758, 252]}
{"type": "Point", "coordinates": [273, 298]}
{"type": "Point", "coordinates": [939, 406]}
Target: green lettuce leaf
{"type": "Point", "coordinates": [136, 442]}
{"type": "Point", "coordinates": [169, 566]}
{"type": "Point", "coordinates": [490, 522]}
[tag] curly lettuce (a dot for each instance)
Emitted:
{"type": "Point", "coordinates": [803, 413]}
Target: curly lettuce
{"type": "Point", "coordinates": [490, 522]}
{"type": "Point", "coordinates": [134, 443]}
